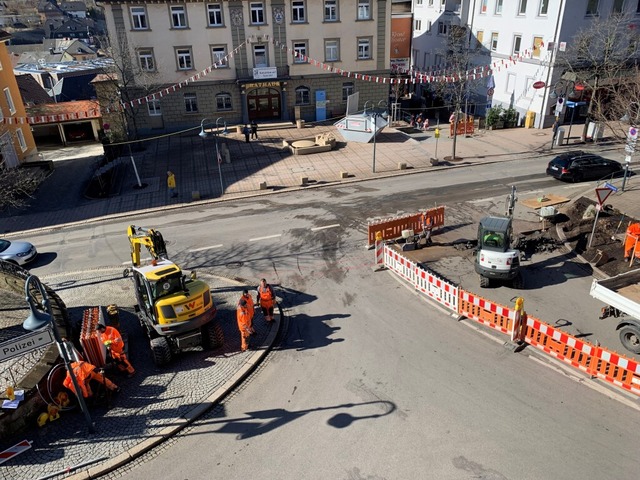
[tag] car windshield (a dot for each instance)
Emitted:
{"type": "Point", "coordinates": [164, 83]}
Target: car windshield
{"type": "Point", "coordinates": [4, 244]}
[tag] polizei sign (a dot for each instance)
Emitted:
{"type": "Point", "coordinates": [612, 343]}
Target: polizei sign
{"type": "Point", "coordinates": [24, 344]}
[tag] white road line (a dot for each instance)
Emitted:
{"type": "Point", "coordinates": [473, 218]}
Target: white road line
{"type": "Point", "coordinates": [211, 247]}
{"type": "Point", "coordinates": [315, 229]}
{"type": "Point", "coordinates": [265, 238]}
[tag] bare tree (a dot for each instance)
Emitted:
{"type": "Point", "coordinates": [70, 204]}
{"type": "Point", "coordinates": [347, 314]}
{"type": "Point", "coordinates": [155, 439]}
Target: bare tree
{"type": "Point", "coordinates": [17, 186]}
{"type": "Point", "coordinates": [458, 87]}
{"type": "Point", "coordinates": [603, 60]}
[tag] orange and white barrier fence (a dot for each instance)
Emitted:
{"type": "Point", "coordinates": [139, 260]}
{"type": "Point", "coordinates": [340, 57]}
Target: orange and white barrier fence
{"type": "Point", "coordinates": [392, 228]}
{"type": "Point", "coordinates": [592, 359]}
{"type": "Point", "coordinates": [486, 312]}
{"type": "Point", "coordinates": [17, 449]}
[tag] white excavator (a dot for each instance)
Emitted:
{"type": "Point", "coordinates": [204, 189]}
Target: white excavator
{"type": "Point", "coordinates": [496, 260]}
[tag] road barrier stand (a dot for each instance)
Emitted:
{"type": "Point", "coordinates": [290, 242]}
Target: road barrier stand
{"type": "Point", "coordinates": [484, 311]}
{"type": "Point", "coordinates": [391, 228]}
{"type": "Point", "coordinates": [17, 449]}
{"type": "Point", "coordinates": [594, 360]}
{"type": "Point", "coordinates": [437, 288]}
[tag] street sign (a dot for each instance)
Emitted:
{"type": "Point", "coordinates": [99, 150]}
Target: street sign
{"type": "Point", "coordinates": [25, 343]}
{"type": "Point", "coordinates": [627, 158]}
{"type": "Point", "coordinates": [613, 188]}
{"type": "Point", "coordinates": [602, 194]}
{"type": "Point", "coordinates": [633, 133]}
{"type": "Point", "coordinates": [538, 85]}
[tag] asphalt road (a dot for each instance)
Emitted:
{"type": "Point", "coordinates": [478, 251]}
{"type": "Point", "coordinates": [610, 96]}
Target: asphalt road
{"type": "Point", "coordinates": [369, 381]}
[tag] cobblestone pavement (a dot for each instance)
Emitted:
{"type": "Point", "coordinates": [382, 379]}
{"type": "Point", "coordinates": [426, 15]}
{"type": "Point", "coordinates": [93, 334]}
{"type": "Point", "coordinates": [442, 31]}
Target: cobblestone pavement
{"type": "Point", "coordinates": [154, 401]}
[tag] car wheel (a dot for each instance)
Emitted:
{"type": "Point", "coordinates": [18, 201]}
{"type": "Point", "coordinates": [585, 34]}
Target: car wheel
{"type": "Point", "coordinates": [485, 282]}
{"type": "Point", "coordinates": [161, 351]}
{"type": "Point", "coordinates": [630, 338]}
{"type": "Point", "coordinates": [577, 177]}
{"type": "Point", "coordinates": [212, 336]}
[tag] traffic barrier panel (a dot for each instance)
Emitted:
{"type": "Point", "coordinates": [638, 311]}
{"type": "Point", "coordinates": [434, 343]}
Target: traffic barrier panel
{"type": "Point", "coordinates": [594, 360]}
{"type": "Point", "coordinates": [94, 349]}
{"type": "Point", "coordinates": [392, 228]}
{"type": "Point", "coordinates": [379, 253]}
{"type": "Point", "coordinates": [401, 265]}
{"type": "Point", "coordinates": [437, 288]}
{"type": "Point", "coordinates": [17, 449]}
{"type": "Point", "coordinates": [484, 311]}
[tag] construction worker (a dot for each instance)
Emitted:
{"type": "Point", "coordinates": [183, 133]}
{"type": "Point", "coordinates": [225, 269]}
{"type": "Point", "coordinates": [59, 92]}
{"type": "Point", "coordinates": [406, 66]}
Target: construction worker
{"type": "Point", "coordinates": [250, 305]}
{"type": "Point", "coordinates": [85, 374]}
{"type": "Point", "coordinates": [244, 317]}
{"type": "Point", "coordinates": [266, 299]}
{"type": "Point", "coordinates": [427, 227]}
{"type": "Point", "coordinates": [113, 341]}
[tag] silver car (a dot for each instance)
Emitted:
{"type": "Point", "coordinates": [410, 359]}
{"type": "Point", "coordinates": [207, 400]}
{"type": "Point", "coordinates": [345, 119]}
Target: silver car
{"type": "Point", "coordinates": [19, 253]}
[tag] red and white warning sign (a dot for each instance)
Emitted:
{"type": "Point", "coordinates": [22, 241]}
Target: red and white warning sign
{"type": "Point", "coordinates": [602, 194]}
{"type": "Point", "coordinates": [17, 449]}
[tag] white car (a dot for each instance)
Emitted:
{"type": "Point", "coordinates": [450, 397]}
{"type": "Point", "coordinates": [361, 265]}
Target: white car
{"type": "Point", "coordinates": [19, 253]}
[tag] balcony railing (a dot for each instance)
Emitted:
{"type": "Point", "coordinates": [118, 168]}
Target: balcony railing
{"type": "Point", "coordinates": [247, 73]}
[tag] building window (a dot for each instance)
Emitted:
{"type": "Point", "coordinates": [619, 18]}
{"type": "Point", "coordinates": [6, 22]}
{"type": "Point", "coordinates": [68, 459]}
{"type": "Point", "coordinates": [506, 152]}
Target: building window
{"type": "Point", "coordinates": [618, 6]}
{"type": "Point", "coordinates": [257, 13]}
{"type": "Point", "coordinates": [332, 50]}
{"type": "Point", "coordinates": [537, 44]}
{"type": "Point", "coordinates": [145, 57]}
{"type": "Point", "coordinates": [214, 14]}
{"type": "Point", "coordinates": [517, 42]}
{"type": "Point", "coordinates": [302, 96]}
{"type": "Point", "coordinates": [190, 103]}
{"type": "Point", "coordinates": [428, 26]}
{"type": "Point", "coordinates": [364, 48]}
{"type": "Point", "coordinates": [299, 52]}
{"type": "Point", "coordinates": [418, 25]}
{"type": "Point", "coordinates": [178, 16]}
{"type": "Point", "coordinates": [494, 41]}
{"type": "Point", "coordinates": [219, 56]}
{"type": "Point", "coordinates": [7, 96]}
{"type": "Point", "coordinates": [544, 7]}
{"type": "Point", "coordinates": [592, 7]}
{"type": "Point", "coordinates": [522, 8]}
{"type": "Point", "coordinates": [260, 56]}
{"type": "Point", "coordinates": [426, 61]}
{"type": "Point", "coordinates": [153, 106]}
{"type": "Point", "coordinates": [139, 18]}
{"type": "Point", "coordinates": [364, 9]}
{"type": "Point", "coordinates": [183, 56]}
{"type": "Point", "coordinates": [479, 38]}
{"type": "Point", "coordinates": [638, 7]}
{"type": "Point", "coordinates": [330, 10]}
{"type": "Point", "coordinates": [347, 89]}
{"type": "Point", "coordinates": [298, 14]}
{"type": "Point", "coordinates": [439, 61]}
{"type": "Point", "coordinates": [21, 141]}
{"type": "Point", "coordinates": [223, 101]}
{"type": "Point", "coordinates": [443, 28]}
{"type": "Point", "coordinates": [483, 6]}
{"type": "Point", "coordinates": [498, 7]}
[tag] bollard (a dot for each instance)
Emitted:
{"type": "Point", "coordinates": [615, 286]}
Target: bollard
{"type": "Point", "coordinates": [262, 185]}
{"type": "Point", "coordinates": [195, 195]}
{"type": "Point", "coordinates": [344, 174]}
{"type": "Point", "coordinates": [304, 181]}
{"type": "Point", "coordinates": [402, 166]}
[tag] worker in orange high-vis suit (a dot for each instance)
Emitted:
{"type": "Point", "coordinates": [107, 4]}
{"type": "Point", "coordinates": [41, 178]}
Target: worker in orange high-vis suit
{"type": "Point", "coordinates": [250, 305]}
{"type": "Point", "coordinates": [86, 373]}
{"type": "Point", "coordinates": [113, 341]}
{"type": "Point", "coordinates": [266, 299]}
{"type": "Point", "coordinates": [244, 323]}
{"type": "Point", "coordinates": [427, 227]}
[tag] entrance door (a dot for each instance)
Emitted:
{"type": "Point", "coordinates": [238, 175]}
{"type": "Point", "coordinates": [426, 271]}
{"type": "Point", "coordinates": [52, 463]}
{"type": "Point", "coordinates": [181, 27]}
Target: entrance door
{"type": "Point", "coordinates": [263, 104]}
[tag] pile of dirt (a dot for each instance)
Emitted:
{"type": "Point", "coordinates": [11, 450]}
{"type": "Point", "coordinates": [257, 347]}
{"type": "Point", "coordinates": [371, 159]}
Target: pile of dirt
{"type": "Point", "coordinates": [607, 244]}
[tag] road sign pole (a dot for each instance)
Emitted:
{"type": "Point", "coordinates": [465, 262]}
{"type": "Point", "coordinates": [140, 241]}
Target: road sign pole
{"type": "Point", "coordinates": [593, 230]}
{"type": "Point", "coordinates": [626, 174]}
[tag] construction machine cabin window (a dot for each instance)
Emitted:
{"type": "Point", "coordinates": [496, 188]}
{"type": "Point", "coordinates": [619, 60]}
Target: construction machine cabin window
{"type": "Point", "coordinates": [167, 286]}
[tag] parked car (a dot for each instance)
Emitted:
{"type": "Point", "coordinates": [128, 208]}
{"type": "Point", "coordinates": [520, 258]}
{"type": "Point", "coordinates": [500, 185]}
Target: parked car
{"type": "Point", "coordinates": [579, 166]}
{"type": "Point", "coordinates": [19, 253]}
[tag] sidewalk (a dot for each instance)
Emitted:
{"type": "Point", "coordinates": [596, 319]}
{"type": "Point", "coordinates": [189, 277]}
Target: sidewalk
{"type": "Point", "coordinates": [59, 200]}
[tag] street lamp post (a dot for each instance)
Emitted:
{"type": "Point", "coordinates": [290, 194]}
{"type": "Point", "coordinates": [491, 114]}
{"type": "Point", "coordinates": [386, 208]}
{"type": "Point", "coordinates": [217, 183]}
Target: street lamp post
{"type": "Point", "coordinates": [204, 135]}
{"type": "Point", "coordinates": [564, 85]}
{"type": "Point", "coordinates": [37, 320]}
{"type": "Point", "coordinates": [375, 116]}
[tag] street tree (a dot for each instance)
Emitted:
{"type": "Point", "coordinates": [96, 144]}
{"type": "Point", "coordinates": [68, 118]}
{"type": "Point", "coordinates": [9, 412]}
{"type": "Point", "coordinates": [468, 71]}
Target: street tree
{"type": "Point", "coordinates": [457, 89]}
{"type": "Point", "coordinates": [602, 60]}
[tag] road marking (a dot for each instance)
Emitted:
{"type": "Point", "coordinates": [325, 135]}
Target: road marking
{"type": "Point", "coordinates": [265, 238]}
{"type": "Point", "coordinates": [211, 247]}
{"type": "Point", "coordinates": [315, 229]}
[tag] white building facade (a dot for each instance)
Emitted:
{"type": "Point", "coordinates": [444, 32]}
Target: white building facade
{"type": "Point", "coordinates": [517, 40]}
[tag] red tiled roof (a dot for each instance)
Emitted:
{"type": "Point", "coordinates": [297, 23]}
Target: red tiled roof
{"type": "Point", "coordinates": [78, 108]}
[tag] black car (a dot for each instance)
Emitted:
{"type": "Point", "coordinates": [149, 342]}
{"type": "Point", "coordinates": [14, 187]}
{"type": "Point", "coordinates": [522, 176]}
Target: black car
{"type": "Point", "coordinates": [579, 166]}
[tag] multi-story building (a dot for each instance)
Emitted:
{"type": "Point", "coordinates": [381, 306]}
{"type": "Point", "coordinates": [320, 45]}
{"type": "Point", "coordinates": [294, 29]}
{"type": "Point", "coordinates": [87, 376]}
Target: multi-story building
{"type": "Point", "coordinates": [16, 141]}
{"type": "Point", "coordinates": [249, 60]}
{"type": "Point", "coordinates": [517, 40]}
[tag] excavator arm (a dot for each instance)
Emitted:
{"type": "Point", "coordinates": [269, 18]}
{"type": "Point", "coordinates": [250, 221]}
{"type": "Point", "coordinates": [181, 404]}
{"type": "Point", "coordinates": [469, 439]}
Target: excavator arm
{"type": "Point", "coordinates": [151, 239]}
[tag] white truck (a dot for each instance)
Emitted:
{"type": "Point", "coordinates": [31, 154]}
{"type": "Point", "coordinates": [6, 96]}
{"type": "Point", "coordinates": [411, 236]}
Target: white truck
{"type": "Point", "coordinates": [621, 294]}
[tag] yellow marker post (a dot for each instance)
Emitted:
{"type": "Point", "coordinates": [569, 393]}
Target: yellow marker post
{"type": "Point", "coordinates": [517, 334]}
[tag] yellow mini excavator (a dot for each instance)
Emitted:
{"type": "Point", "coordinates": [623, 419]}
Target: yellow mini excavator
{"type": "Point", "coordinates": [176, 312]}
